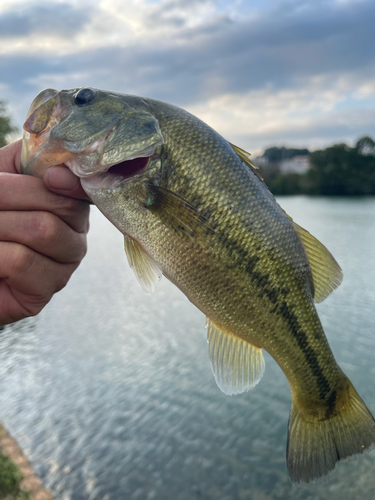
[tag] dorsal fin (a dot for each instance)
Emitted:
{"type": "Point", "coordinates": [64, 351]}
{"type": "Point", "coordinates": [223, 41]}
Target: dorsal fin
{"type": "Point", "coordinates": [244, 155]}
{"type": "Point", "coordinates": [236, 364]}
{"type": "Point", "coordinates": [147, 271]}
{"type": "Point", "coordinates": [326, 272]}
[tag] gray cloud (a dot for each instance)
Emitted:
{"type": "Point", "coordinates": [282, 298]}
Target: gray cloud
{"type": "Point", "coordinates": [329, 129]}
{"type": "Point", "coordinates": [173, 12]}
{"type": "Point", "coordinates": [228, 56]}
{"type": "Point", "coordinates": [282, 48]}
{"type": "Point", "coordinates": [16, 72]}
{"type": "Point", "coordinates": [62, 19]}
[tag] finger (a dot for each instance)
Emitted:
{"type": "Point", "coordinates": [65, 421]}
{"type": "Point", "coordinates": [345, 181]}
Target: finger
{"type": "Point", "coordinates": [44, 233]}
{"type": "Point", "coordinates": [10, 157]}
{"type": "Point", "coordinates": [23, 192]}
{"type": "Point", "coordinates": [61, 180]}
{"type": "Point", "coordinates": [28, 280]}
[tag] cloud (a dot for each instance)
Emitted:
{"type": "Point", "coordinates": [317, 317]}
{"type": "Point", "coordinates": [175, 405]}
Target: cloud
{"type": "Point", "coordinates": [312, 116]}
{"type": "Point", "coordinates": [43, 18]}
{"type": "Point", "coordinates": [219, 54]}
{"type": "Point", "coordinates": [223, 55]}
{"type": "Point", "coordinates": [293, 69]}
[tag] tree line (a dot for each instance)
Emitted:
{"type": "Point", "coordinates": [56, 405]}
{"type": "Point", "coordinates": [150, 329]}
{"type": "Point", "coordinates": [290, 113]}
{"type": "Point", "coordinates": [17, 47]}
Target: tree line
{"type": "Point", "coordinates": [339, 170]}
{"type": "Point", "coordinates": [6, 127]}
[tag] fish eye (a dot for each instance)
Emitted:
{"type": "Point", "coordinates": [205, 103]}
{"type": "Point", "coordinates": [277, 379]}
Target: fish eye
{"type": "Point", "coordinates": [84, 96]}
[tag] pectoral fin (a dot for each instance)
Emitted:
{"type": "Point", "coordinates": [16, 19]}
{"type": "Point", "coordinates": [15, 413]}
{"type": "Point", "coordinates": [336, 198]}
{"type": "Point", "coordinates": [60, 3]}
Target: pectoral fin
{"type": "Point", "coordinates": [237, 365]}
{"type": "Point", "coordinates": [177, 213]}
{"type": "Point", "coordinates": [327, 274]}
{"type": "Point", "coordinates": [147, 271]}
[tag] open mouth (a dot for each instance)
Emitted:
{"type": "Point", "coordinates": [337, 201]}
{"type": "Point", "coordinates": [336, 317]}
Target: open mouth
{"type": "Point", "coordinates": [129, 168]}
{"type": "Point", "coordinates": [115, 175]}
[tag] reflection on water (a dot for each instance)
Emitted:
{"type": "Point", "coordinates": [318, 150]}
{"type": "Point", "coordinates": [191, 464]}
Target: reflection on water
{"type": "Point", "coordinates": [110, 392]}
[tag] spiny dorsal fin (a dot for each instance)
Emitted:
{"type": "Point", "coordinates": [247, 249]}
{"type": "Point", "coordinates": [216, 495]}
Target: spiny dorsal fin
{"type": "Point", "coordinates": [237, 365]}
{"type": "Point", "coordinates": [177, 213]}
{"type": "Point", "coordinates": [244, 155]}
{"type": "Point", "coordinates": [327, 274]}
{"type": "Point", "coordinates": [147, 271]}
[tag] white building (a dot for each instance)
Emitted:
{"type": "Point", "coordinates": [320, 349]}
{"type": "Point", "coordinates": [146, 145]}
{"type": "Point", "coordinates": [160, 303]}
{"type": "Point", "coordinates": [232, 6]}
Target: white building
{"type": "Point", "coordinates": [295, 165]}
{"type": "Point", "coordinates": [260, 161]}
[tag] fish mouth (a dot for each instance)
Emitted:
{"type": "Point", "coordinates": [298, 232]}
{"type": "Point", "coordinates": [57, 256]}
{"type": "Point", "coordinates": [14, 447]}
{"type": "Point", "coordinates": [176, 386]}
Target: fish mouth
{"type": "Point", "coordinates": [112, 176]}
{"type": "Point", "coordinates": [129, 168]}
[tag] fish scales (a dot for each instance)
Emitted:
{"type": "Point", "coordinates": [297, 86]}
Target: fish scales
{"type": "Point", "coordinates": [239, 235]}
{"type": "Point", "coordinates": [194, 208]}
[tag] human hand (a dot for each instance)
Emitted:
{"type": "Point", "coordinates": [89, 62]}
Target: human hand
{"type": "Point", "coordinates": [42, 234]}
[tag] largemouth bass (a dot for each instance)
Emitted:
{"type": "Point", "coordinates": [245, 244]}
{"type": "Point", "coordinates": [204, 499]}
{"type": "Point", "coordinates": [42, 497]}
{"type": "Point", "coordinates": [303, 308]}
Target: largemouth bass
{"type": "Point", "coordinates": [194, 208]}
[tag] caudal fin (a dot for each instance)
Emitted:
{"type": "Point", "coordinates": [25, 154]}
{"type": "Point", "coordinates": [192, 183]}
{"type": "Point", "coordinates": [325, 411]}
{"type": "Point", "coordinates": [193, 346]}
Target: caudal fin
{"type": "Point", "coordinates": [316, 445]}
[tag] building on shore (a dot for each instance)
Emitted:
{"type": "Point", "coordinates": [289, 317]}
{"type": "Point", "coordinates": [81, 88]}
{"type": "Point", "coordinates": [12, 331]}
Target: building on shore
{"type": "Point", "coordinates": [299, 164]}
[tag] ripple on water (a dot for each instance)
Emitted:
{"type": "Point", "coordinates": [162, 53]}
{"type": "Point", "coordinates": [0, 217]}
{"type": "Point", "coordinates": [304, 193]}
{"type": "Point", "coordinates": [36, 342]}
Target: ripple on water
{"type": "Point", "coordinates": [111, 394]}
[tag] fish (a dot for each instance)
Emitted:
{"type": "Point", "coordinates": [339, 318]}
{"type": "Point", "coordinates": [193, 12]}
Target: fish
{"type": "Point", "coordinates": [194, 208]}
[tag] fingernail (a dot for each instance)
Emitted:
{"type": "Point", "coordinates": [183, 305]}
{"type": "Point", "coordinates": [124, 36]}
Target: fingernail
{"type": "Point", "coordinates": [61, 178]}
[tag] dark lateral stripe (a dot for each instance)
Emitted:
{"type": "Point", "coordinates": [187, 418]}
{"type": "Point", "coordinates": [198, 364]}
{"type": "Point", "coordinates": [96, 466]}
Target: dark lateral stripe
{"type": "Point", "coordinates": [311, 358]}
{"type": "Point", "coordinates": [276, 296]}
{"type": "Point", "coordinates": [331, 403]}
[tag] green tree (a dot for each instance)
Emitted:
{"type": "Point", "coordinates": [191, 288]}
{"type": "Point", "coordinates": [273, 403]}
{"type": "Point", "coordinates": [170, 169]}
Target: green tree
{"type": "Point", "coordinates": [365, 146]}
{"type": "Point", "coordinates": [276, 155]}
{"type": "Point", "coordinates": [286, 184]}
{"type": "Point", "coordinates": [6, 126]}
{"type": "Point", "coordinates": [342, 170]}
{"type": "Point", "coordinates": [337, 170]}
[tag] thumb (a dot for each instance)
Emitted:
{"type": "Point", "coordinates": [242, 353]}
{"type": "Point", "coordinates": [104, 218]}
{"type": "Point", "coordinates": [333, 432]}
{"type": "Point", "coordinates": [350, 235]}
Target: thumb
{"type": "Point", "coordinates": [61, 180]}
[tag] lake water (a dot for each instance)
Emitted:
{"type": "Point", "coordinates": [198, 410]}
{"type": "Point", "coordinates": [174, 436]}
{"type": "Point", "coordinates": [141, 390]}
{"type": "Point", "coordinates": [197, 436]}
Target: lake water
{"type": "Point", "coordinates": [110, 391]}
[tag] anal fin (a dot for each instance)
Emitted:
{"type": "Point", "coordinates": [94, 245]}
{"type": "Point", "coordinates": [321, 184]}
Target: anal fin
{"type": "Point", "coordinates": [147, 271]}
{"type": "Point", "coordinates": [237, 365]}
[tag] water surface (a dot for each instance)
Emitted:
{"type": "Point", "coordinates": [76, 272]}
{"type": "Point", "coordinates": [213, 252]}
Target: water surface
{"type": "Point", "coordinates": [110, 392]}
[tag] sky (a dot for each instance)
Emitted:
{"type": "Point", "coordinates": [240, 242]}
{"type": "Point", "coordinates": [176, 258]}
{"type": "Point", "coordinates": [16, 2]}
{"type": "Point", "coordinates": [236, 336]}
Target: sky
{"type": "Point", "coordinates": [261, 72]}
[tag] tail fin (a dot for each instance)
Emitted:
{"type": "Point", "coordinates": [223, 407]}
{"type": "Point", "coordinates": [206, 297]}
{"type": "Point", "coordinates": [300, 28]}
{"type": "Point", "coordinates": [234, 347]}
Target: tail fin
{"type": "Point", "coordinates": [316, 445]}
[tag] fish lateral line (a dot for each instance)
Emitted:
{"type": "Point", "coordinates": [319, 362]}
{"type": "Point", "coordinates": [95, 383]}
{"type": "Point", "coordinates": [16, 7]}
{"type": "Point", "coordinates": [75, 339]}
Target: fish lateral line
{"type": "Point", "coordinates": [307, 350]}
